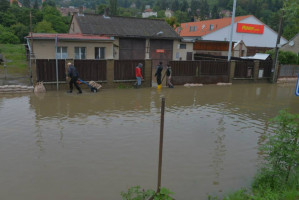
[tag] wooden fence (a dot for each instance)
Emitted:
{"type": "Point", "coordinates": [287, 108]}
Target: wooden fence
{"type": "Point", "coordinates": [206, 72]}
{"type": "Point", "coordinates": [244, 69]}
{"type": "Point", "coordinates": [266, 66]}
{"type": "Point", "coordinates": [46, 70]}
{"type": "Point", "coordinates": [126, 69]}
{"type": "Point", "coordinates": [88, 70]}
{"type": "Point", "coordinates": [288, 71]}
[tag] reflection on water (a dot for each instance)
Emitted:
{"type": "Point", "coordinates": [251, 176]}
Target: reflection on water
{"type": "Point", "coordinates": [93, 146]}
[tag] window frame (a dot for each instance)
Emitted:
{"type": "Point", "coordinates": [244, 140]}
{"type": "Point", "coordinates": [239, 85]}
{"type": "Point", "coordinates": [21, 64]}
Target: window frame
{"type": "Point", "coordinates": [80, 53]}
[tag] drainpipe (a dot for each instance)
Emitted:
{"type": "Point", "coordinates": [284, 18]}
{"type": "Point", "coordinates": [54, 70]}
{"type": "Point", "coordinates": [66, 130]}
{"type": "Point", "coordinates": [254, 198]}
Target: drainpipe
{"type": "Point", "coordinates": [56, 38]}
{"type": "Point", "coordinates": [30, 62]}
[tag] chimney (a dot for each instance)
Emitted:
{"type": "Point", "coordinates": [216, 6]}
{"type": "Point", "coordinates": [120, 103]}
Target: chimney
{"type": "Point", "coordinates": [106, 13]}
{"type": "Point", "coordinates": [81, 11]}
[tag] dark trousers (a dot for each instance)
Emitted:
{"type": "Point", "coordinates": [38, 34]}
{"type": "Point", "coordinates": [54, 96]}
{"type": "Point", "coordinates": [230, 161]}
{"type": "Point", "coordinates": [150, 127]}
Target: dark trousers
{"type": "Point", "coordinates": [159, 80]}
{"type": "Point", "coordinates": [74, 81]}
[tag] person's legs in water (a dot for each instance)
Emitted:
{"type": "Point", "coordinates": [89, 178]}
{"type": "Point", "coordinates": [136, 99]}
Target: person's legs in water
{"type": "Point", "coordinates": [138, 82]}
{"type": "Point", "coordinates": [159, 80]}
{"type": "Point", "coordinates": [76, 84]}
{"type": "Point", "coordinates": [71, 86]}
{"type": "Point", "coordinates": [169, 82]}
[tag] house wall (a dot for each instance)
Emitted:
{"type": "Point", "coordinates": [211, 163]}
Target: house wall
{"type": "Point", "coordinates": [45, 49]}
{"type": "Point", "coordinates": [240, 50]}
{"type": "Point", "coordinates": [74, 27]}
{"type": "Point", "coordinates": [294, 48]}
{"type": "Point", "coordinates": [267, 39]}
{"type": "Point", "coordinates": [181, 53]}
{"type": "Point", "coordinates": [149, 14]}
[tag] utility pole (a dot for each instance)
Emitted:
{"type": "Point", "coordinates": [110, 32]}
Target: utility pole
{"type": "Point", "coordinates": [231, 31]}
{"type": "Point", "coordinates": [275, 65]}
{"type": "Point", "coordinates": [31, 51]}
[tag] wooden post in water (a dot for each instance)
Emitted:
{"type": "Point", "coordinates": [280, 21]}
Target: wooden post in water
{"type": "Point", "coordinates": [161, 144]}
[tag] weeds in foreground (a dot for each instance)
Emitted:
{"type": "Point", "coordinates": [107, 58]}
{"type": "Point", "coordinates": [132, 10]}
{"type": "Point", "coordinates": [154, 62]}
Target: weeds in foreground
{"type": "Point", "coordinates": [136, 193]}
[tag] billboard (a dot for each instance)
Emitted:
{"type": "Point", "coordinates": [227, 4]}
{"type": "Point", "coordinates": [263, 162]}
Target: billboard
{"type": "Point", "coordinates": [250, 28]}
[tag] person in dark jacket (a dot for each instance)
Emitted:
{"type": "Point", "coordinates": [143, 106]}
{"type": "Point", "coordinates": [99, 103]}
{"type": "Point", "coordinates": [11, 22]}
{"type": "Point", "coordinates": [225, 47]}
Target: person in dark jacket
{"type": "Point", "coordinates": [168, 75]}
{"type": "Point", "coordinates": [158, 73]}
{"type": "Point", "coordinates": [74, 75]}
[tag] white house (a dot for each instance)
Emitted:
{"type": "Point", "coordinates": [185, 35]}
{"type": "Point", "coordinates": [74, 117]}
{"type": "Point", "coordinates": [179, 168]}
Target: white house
{"type": "Point", "coordinates": [148, 13]}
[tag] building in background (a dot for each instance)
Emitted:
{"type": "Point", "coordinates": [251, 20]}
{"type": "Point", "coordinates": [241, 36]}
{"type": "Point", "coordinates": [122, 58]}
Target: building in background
{"type": "Point", "coordinates": [257, 36]}
{"type": "Point", "coordinates": [149, 13]}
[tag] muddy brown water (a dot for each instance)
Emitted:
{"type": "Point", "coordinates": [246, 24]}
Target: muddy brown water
{"type": "Point", "coordinates": [93, 146]}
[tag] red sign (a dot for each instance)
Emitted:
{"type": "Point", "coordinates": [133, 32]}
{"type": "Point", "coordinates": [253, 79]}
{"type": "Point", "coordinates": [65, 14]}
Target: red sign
{"type": "Point", "coordinates": [160, 51]}
{"type": "Point", "coordinates": [250, 28]}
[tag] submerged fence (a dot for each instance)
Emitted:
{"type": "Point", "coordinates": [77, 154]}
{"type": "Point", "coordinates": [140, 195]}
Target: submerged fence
{"type": "Point", "coordinates": [199, 71]}
{"type": "Point", "coordinates": [288, 71]}
{"type": "Point", "coordinates": [126, 69]}
{"type": "Point", "coordinates": [46, 70]}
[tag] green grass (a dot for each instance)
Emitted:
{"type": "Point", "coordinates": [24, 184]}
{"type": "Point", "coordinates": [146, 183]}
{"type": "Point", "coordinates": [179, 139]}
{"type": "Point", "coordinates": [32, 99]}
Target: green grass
{"type": "Point", "coordinates": [15, 57]}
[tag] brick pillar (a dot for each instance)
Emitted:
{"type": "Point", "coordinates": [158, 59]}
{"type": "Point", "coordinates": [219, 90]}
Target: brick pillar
{"type": "Point", "coordinates": [110, 72]}
{"type": "Point", "coordinates": [232, 71]}
{"type": "Point", "coordinates": [256, 70]}
{"type": "Point", "coordinates": [148, 73]}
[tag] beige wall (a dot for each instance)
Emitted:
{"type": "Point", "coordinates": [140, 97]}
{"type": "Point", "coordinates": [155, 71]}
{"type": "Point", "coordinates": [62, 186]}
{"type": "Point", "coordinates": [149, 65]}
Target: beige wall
{"type": "Point", "coordinates": [116, 48]}
{"type": "Point", "coordinates": [45, 49]}
{"type": "Point", "coordinates": [240, 50]}
{"type": "Point", "coordinates": [181, 52]}
{"type": "Point", "coordinates": [74, 28]}
{"type": "Point", "coordinates": [294, 48]}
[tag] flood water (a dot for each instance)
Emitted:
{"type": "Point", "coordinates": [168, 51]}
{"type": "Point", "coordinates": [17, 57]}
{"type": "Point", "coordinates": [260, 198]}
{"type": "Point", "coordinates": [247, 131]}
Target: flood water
{"type": "Point", "coordinates": [95, 145]}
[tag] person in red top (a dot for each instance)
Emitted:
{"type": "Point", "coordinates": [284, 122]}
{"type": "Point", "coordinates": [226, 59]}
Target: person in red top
{"type": "Point", "coordinates": [138, 75]}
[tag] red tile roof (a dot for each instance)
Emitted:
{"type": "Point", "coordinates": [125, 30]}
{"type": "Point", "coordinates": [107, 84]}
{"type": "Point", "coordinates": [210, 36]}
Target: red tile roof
{"type": "Point", "coordinates": [68, 36]}
{"type": "Point", "coordinates": [203, 27]}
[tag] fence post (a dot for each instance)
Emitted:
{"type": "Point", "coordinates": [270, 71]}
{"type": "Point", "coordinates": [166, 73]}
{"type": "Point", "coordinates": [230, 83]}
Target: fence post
{"type": "Point", "coordinates": [110, 72]}
{"type": "Point", "coordinates": [148, 73]}
{"type": "Point", "coordinates": [34, 72]}
{"type": "Point", "coordinates": [232, 67]}
{"type": "Point", "coordinates": [161, 144]}
{"type": "Point", "coordinates": [256, 70]}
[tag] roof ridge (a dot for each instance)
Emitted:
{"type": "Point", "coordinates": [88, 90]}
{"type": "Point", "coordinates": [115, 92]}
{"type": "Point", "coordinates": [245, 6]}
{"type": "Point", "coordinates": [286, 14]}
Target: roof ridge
{"type": "Point", "coordinates": [125, 17]}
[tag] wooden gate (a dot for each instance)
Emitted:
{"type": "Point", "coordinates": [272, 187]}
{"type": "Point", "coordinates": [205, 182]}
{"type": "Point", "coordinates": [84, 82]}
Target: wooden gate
{"type": "Point", "coordinates": [244, 69]}
{"type": "Point", "coordinates": [46, 70]}
{"type": "Point", "coordinates": [125, 69]}
{"type": "Point", "coordinates": [206, 72]}
{"type": "Point", "coordinates": [95, 70]}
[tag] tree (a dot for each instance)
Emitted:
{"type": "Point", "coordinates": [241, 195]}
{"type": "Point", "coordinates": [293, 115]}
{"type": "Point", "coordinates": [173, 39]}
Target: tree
{"type": "Point", "coordinates": [113, 7]}
{"type": "Point", "coordinates": [204, 9]}
{"type": "Point", "coordinates": [20, 30]}
{"type": "Point", "coordinates": [35, 6]}
{"type": "Point", "coordinates": [175, 5]}
{"type": "Point", "coordinates": [291, 17]}
{"type": "Point", "coordinates": [184, 5]}
{"type": "Point", "coordinates": [4, 5]}
{"type": "Point", "coordinates": [26, 3]}
{"type": "Point", "coordinates": [101, 9]}
{"type": "Point", "coordinates": [44, 27]}
{"type": "Point", "coordinates": [215, 12]}
{"type": "Point", "coordinates": [195, 4]}
{"type": "Point", "coordinates": [7, 37]}
{"type": "Point", "coordinates": [172, 21]}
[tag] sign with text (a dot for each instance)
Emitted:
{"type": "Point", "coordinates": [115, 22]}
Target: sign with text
{"type": "Point", "coordinates": [250, 28]}
{"type": "Point", "coordinates": [297, 87]}
{"type": "Point", "coordinates": [160, 51]}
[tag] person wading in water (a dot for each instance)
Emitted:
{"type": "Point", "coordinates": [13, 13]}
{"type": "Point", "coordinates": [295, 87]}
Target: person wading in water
{"type": "Point", "coordinates": [74, 75]}
{"type": "Point", "coordinates": [159, 73]}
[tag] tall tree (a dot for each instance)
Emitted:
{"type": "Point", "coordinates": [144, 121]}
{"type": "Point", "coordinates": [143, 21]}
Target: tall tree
{"type": "Point", "coordinates": [26, 3]}
{"type": "Point", "coordinates": [175, 5]}
{"type": "Point", "coordinates": [4, 5]}
{"type": "Point", "coordinates": [113, 7]}
{"type": "Point", "coordinates": [215, 12]}
{"type": "Point", "coordinates": [184, 5]}
{"type": "Point", "coordinates": [35, 6]}
{"type": "Point", "coordinates": [195, 4]}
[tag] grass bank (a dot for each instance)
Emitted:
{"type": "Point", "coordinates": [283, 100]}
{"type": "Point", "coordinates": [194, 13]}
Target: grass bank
{"type": "Point", "coordinates": [15, 58]}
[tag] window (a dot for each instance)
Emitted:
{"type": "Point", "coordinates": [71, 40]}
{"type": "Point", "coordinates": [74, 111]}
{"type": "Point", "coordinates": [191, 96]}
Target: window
{"type": "Point", "coordinates": [190, 28]}
{"type": "Point", "coordinates": [194, 28]}
{"type": "Point", "coordinates": [61, 53]}
{"type": "Point", "coordinates": [99, 53]}
{"type": "Point", "coordinates": [80, 52]}
{"type": "Point", "coordinates": [182, 46]}
{"type": "Point", "coordinates": [211, 26]}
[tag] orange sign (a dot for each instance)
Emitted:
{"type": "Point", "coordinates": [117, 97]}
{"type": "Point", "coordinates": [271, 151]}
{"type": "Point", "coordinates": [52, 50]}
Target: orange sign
{"type": "Point", "coordinates": [250, 28]}
{"type": "Point", "coordinates": [160, 51]}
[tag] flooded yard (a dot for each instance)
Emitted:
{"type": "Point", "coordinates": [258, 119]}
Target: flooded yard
{"type": "Point", "coordinates": [95, 145]}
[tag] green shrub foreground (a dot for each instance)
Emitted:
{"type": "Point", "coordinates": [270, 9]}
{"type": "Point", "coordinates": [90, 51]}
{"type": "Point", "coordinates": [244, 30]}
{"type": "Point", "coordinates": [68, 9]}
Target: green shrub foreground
{"type": "Point", "coordinates": [279, 177]}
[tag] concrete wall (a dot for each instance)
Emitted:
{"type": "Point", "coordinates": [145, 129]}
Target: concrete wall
{"type": "Point", "coordinates": [294, 47]}
{"type": "Point", "coordinates": [182, 53]}
{"type": "Point", "coordinates": [45, 49]}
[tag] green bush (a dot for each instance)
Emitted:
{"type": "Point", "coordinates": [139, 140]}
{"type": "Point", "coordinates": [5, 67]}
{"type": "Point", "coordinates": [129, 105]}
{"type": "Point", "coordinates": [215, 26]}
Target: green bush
{"type": "Point", "coordinates": [285, 57]}
{"type": "Point", "coordinates": [136, 193]}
